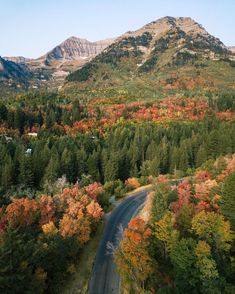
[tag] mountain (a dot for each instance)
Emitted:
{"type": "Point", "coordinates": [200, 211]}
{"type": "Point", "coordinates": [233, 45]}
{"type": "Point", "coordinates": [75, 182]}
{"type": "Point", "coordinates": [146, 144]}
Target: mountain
{"type": "Point", "coordinates": [170, 52]}
{"type": "Point", "coordinates": [18, 59]}
{"type": "Point", "coordinates": [50, 69]}
{"type": "Point", "coordinates": [63, 59]}
{"type": "Point", "coordinates": [10, 70]}
{"type": "Point", "coordinates": [232, 48]}
{"type": "Point", "coordinates": [75, 49]}
{"type": "Point", "coordinates": [68, 56]}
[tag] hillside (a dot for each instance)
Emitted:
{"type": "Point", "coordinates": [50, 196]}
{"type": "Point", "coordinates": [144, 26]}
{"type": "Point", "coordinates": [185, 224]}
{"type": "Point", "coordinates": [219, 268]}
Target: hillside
{"type": "Point", "coordinates": [11, 70]}
{"type": "Point", "coordinates": [182, 241]}
{"type": "Point", "coordinates": [64, 58]}
{"type": "Point", "coordinates": [50, 70]}
{"type": "Point", "coordinates": [13, 77]}
{"type": "Point", "coordinates": [232, 49]}
{"type": "Point", "coordinates": [17, 59]}
{"type": "Point", "coordinates": [173, 53]}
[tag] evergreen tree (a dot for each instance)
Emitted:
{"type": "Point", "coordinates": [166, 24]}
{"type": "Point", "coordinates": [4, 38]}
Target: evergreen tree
{"type": "Point", "coordinates": [67, 164]}
{"type": "Point", "coordinates": [3, 113]}
{"type": "Point", "coordinates": [201, 156]}
{"type": "Point", "coordinates": [228, 199]}
{"type": "Point", "coordinates": [52, 170]}
{"type": "Point", "coordinates": [183, 158]}
{"type": "Point", "coordinates": [7, 173]}
{"type": "Point", "coordinates": [17, 264]}
{"type": "Point", "coordinates": [111, 168]}
{"type": "Point", "coordinates": [93, 166]}
{"type": "Point", "coordinates": [26, 171]}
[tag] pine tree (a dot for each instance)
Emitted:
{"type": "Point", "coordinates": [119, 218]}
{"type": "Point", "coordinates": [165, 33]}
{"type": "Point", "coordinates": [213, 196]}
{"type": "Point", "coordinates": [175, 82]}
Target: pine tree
{"type": "Point", "coordinates": [228, 199]}
{"type": "Point", "coordinates": [3, 112]}
{"type": "Point", "coordinates": [201, 156]}
{"type": "Point", "coordinates": [93, 166]}
{"type": "Point", "coordinates": [111, 168]}
{"type": "Point", "coordinates": [154, 167]}
{"type": "Point", "coordinates": [67, 163]}
{"type": "Point", "coordinates": [7, 173]}
{"type": "Point", "coordinates": [26, 171]}
{"type": "Point", "coordinates": [174, 159]}
{"type": "Point", "coordinates": [52, 170]}
{"type": "Point", "coordinates": [183, 159]}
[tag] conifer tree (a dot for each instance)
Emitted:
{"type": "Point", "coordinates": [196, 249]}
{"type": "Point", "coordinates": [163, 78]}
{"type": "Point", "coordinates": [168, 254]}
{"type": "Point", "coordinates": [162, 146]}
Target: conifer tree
{"type": "Point", "coordinates": [228, 199]}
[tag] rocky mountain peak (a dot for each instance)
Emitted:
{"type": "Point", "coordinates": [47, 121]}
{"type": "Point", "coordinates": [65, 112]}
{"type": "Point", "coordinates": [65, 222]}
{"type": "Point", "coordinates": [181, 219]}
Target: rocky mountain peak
{"type": "Point", "coordinates": [18, 59]}
{"type": "Point", "coordinates": [163, 25]}
{"type": "Point", "coordinates": [75, 48]}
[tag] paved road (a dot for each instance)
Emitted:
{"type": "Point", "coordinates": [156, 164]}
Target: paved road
{"type": "Point", "coordinates": [105, 279]}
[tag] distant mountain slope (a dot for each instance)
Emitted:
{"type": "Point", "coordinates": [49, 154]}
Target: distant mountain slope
{"type": "Point", "coordinates": [50, 69]}
{"type": "Point", "coordinates": [18, 59]}
{"type": "Point", "coordinates": [232, 48]}
{"type": "Point", "coordinates": [75, 49]}
{"type": "Point", "coordinates": [172, 52]}
{"type": "Point", "coordinates": [14, 71]}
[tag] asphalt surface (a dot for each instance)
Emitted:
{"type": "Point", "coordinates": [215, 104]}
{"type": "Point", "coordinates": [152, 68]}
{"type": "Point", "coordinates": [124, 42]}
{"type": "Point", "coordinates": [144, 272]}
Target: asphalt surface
{"type": "Point", "coordinates": [105, 279]}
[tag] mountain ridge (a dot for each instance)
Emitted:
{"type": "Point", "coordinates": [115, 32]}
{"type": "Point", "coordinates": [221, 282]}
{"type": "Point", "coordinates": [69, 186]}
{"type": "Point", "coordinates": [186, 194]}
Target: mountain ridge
{"type": "Point", "coordinates": [161, 50]}
{"type": "Point", "coordinates": [163, 53]}
{"type": "Point", "coordinates": [56, 64]}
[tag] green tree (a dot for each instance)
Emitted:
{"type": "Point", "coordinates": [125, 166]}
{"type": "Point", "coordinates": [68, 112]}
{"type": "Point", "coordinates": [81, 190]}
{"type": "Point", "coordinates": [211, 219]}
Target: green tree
{"type": "Point", "coordinates": [228, 199]}
{"type": "Point", "coordinates": [7, 173]}
{"type": "Point", "coordinates": [201, 156]}
{"type": "Point", "coordinates": [26, 175]}
{"type": "Point", "coordinates": [16, 264]}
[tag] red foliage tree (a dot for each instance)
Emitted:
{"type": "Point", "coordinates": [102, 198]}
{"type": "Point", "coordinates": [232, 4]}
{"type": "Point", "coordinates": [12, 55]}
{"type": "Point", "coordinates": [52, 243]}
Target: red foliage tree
{"type": "Point", "coordinates": [94, 190]}
{"type": "Point", "coordinates": [184, 197]}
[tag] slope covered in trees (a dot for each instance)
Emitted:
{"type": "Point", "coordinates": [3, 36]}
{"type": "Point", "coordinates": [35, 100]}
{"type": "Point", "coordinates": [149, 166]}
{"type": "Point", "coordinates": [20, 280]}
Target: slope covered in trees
{"type": "Point", "coordinates": [183, 240]}
{"type": "Point", "coordinates": [62, 158]}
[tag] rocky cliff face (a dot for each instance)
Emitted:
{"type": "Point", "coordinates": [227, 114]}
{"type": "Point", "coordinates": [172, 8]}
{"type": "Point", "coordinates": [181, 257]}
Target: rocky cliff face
{"type": "Point", "coordinates": [75, 49]}
{"type": "Point", "coordinates": [18, 59]}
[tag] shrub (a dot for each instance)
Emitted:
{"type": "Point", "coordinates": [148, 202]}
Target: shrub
{"type": "Point", "coordinates": [132, 183]}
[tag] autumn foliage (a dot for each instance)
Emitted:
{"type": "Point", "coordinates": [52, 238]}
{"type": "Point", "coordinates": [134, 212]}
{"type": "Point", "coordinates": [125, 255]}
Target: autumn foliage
{"type": "Point", "coordinates": [190, 238]}
{"type": "Point", "coordinates": [132, 256]}
{"type": "Point", "coordinates": [81, 211]}
{"type": "Point", "coordinates": [94, 190]}
{"type": "Point", "coordinates": [22, 212]}
{"type": "Point", "coordinates": [132, 183]}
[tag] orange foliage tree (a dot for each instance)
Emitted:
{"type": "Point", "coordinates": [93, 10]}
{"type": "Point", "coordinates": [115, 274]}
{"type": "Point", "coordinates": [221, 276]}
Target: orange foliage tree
{"type": "Point", "coordinates": [132, 183]}
{"type": "Point", "coordinates": [22, 212]}
{"type": "Point", "coordinates": [81, 212]}
{"type": "Point", "coordinates": [47, 209]}
{"type": "Point", "coordinates": [132, 256]}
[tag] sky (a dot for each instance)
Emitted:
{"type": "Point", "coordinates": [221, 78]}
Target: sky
{"type": "Point", "coordinates": [31, 28]}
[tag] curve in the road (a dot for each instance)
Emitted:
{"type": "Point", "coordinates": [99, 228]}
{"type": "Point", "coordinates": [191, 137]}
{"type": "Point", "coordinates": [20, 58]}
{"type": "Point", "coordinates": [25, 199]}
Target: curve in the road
{"type": "Point", "coordinates": [105, 279]}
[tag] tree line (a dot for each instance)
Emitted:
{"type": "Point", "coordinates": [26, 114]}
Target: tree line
{"type": "Point", "coordinates": [125, 150]}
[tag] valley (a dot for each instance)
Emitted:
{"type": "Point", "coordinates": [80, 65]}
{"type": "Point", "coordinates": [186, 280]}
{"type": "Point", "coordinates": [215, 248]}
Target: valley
{"type": "Point", "coordinates": [88, 125]}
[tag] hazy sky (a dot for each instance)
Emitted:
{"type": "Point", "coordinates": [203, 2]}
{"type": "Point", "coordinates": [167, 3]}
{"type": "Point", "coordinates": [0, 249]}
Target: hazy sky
{"type": "Point", "coordinates": [32, 27]}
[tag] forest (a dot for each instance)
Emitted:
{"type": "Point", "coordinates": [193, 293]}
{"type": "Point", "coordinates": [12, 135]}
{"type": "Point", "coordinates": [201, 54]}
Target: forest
{"type": "Point", "coordinates": [62, 158]}
{"type": "Point", "coordinates": [183, 240]}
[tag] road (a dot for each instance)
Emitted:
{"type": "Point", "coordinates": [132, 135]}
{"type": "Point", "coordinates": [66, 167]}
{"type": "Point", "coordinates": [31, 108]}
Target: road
{"type": "Point", "coordinates": [105, 279]}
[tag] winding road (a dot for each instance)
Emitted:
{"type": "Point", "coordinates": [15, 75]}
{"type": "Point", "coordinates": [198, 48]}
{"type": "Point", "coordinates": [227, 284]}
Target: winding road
{"type": "Point", "coordinates": [105, 279]}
